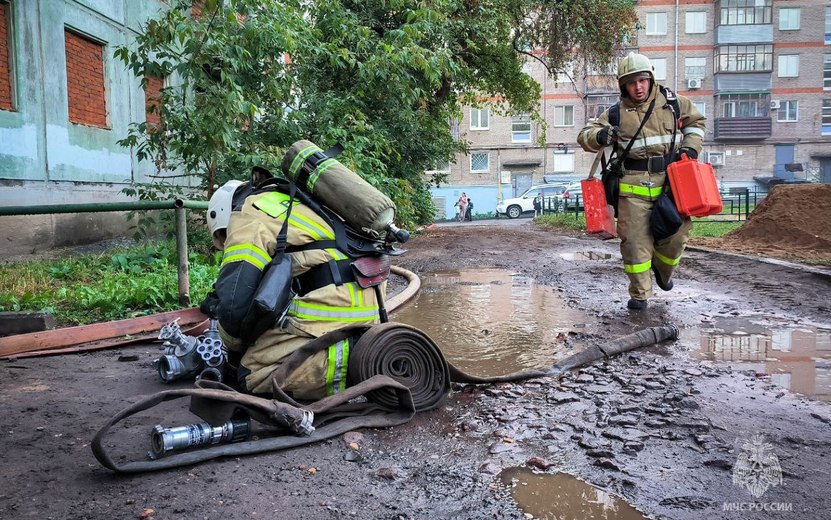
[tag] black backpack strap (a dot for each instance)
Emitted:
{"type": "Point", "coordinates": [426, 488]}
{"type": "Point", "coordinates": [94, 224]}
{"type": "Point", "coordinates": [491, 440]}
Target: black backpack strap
{"type": "Point", "coordinates": [614, 114]}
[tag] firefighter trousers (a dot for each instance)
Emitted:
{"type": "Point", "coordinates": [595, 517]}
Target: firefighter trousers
{"type": "Point", "coordinates": [640, 253]}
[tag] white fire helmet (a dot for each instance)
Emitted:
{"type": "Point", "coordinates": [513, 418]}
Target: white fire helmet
{"type": "Point", "coordinates": [219, 209]}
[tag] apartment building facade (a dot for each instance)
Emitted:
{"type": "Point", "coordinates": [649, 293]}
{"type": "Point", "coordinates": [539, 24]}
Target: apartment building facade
{"type": "Point", "coordinates": [759, 70]}
{"type": "Point", "coordinates": [65, 101]}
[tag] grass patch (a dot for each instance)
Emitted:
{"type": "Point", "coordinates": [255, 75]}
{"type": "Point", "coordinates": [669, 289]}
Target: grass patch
{"type": "Point", "coordinates": [563, 221]}
{"type": "Point", "coordinates": [121, 283]}
{"type": "Point", "coordinates": [714, 229]}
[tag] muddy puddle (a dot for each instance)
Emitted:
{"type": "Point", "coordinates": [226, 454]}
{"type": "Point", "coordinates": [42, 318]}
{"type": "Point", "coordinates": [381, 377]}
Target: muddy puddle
{"type": "Point", "coordinates": [560, 496]}
{"type": "Point", "coordinates": [583, 256]}
{"type": "Point", "coordinates": [795, 357]}
{"type": "Point", "coordinates": [490, 321]}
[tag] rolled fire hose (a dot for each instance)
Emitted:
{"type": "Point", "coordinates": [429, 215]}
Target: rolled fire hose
{"type": "Point", "coordinates": [396, 366]}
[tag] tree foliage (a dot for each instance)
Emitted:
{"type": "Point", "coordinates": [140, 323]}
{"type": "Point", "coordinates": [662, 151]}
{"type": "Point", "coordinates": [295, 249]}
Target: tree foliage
{"type": "Point", "coordinates": [246, 78]}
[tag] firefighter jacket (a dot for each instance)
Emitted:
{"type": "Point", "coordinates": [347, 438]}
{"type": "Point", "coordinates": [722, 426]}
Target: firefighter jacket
{"type": "Point", "coordinates": [250, 244]}
{"type": "Point", "coordinates": [653, 141]}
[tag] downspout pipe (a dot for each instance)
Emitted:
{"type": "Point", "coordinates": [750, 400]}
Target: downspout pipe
{"type": "Point", "coordinates": [675, 72]}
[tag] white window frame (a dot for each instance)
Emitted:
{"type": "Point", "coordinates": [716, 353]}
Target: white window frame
{"type": "Point", "coordinates": [476, 116]}
{"type": "Point", "coordinates": [698, 65]}
{"type": "Point", "coordinates": [487, 157]}
{"type": "Point", "coordinates": [560, 112]}
{"type": "Point", "coordinates": [789, 18]}
{"type": "Point", "coordinates": [519, 136]}
{"type": "Point", "coordinates": [701, 106]}
{"type": "Point", "coordinates": [654, 22]}
{"type": "Point", "coordinates": [695, 22]}
{"type": "Point", "coordinates": [826, 117]}
{"type": "Point", "coordinates": [659, 66]}
{"type": "Point", "coordinates": [828, 26]}
{"type": "Point", "coordinates": [787, 66]}
{"type": "Point", "coordinates": [564, 162]}
{"type": "Point", "coordinates": [784, 106]}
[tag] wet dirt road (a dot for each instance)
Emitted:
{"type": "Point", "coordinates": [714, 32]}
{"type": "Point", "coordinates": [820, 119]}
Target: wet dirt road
{"type": "Point", "coordinates": [666, 430]}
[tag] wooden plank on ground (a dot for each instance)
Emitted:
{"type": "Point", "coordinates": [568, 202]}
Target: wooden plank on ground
{"type": "Point", "coordinates": [67, 337]}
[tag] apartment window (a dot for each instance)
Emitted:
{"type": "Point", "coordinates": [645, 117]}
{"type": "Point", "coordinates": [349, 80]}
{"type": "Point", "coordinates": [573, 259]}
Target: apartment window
{"type": "Point", "coordinates": [86, 94]}
{"type": "Point", "coordinates": [826, 117]}
{"type": "Point", "coordinates": [564, 115]}
{"type": "Point", "coordinates": [694, 67]}
{"type": "Point", "coordinates": [695, 22]}
{"type": "Point", "coordinates": [596, 105]}
{"type": "Point", "coordinates": [827, 25]}
{"type": "Point", "coordinates": [789, 18]}
{"type": "Point", "coordinates": [787, 111]}
{"type": "Point", "coordinates": [656, 23]}
{"type": "Point", "coordinates": [521, 129]}
{"type": "Point", "coordinates": [826, 73]}
{"type": "Point", "coordinates": [563, 162]}
{"type": "Point", "coordinates": [153, 100]}
{"type": "Point", "coordinates": [788, 65]}
{"type": "Point", "coordinates": [479, 119]}
{"type": "Point", "coordinates": [745, 12]}
{"type": "Point", "coordinates": [480, 162]}
{"type": "Point", "coordinates": [744, 105]}
{"type": "Point", "coordinates": [701, 107]}
{"type": "Point", "coordinates": [659, 66]}
{"type": "Point", "coordinates": [744, 58]}
{"type": "Point", "coordinates": [6, 56]}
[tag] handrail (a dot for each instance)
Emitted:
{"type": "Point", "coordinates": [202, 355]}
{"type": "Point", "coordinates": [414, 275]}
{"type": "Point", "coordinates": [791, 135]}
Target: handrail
{"type": "Point", "coordinates": [101, 207]}
{"type": "Point", "coordinates": [179, 205]}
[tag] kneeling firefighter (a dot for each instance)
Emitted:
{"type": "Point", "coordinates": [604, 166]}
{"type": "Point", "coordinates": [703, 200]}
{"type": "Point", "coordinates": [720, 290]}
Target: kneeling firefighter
{"type": "Point", "coordinates": [277, 238]}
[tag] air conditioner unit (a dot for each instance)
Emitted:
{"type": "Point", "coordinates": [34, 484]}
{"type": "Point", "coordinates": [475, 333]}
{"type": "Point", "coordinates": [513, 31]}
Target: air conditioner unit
{"type": "Point", "coordinates": [774, 104]}
{"type": "Point", "coordinates": [715, 158]}
{"type": "Point", "coordinates": [693, 83]}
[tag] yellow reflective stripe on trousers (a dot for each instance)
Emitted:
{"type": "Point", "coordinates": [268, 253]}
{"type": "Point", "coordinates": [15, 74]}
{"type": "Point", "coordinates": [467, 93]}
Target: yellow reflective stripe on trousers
{"type": "Point", "coordinates": [322, 167]}
{"type": "Point", "coordinates": [644, 191]}
{"type": "Point", "coordinates": [301, 157]}
{"type": "Point", "coordinates": [246, 253]}
{"type": "Point", "coordinates": [667, 260]}
{"type": "Point", "coordinates": [337, 368]}
{"type": "Point", "coordinates": [637, 268]}
{"type": "Point", "coordinates": [317, 312]}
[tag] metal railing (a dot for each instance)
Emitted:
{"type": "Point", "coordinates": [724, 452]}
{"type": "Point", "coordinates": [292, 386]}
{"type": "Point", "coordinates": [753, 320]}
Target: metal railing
{"type": "Point", "coordinates": [179, 206]}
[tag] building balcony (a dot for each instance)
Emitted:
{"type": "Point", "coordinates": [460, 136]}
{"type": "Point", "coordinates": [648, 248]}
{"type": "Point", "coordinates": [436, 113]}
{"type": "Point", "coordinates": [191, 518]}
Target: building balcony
{"type": "Point", "coordinates": [744, 34]}
{"type": "Point", "coordinates": [742, 128]}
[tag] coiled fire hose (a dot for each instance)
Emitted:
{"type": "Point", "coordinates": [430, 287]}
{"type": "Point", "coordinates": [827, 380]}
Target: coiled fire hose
{"type": "Point", "coordinates": [397, 367]}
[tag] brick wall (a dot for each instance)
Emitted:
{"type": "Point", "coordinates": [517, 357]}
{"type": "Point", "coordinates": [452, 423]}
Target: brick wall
{"type": "Point", "coordinates": [85, 81]}
{"type": "Point", "coordinates": [5, 65]}
{"type": "Point", "coordinates": [152, 90]}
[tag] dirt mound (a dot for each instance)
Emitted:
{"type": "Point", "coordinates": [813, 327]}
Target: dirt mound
{"type": "Point", "coordinates": [791, 217]}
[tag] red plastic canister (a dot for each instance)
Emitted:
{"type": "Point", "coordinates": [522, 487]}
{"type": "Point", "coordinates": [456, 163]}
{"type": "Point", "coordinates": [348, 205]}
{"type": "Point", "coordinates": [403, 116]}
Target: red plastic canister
{"type": "Point", "coordinates": [600, 219]}
{"type": "Point", "coordinates": [694, 187]}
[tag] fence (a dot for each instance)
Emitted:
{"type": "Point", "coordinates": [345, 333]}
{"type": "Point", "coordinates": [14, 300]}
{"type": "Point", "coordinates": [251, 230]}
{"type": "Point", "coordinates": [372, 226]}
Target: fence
{"type": "Point", "coordinates": [737, 204]}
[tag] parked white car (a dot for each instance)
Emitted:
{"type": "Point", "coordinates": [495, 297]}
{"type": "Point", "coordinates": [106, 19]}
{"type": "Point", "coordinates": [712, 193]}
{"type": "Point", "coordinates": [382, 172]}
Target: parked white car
{"type": "Point", "coordinates": [516, 206]}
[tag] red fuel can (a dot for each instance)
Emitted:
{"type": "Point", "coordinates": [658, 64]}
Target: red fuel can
{"type": "Point", "coordinates": [694, 187]}
{"type": "Point", "coordinates": [600, 216]}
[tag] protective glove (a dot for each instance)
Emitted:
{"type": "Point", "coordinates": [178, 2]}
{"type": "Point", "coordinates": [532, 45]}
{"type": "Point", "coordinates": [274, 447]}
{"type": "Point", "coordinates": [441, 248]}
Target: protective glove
{"type": "Point", "coordinates": [608, 135]}
{"type": "Point", "coordinates": [210, 305]}
{"type": "Point", "coordinates": [691, 153]}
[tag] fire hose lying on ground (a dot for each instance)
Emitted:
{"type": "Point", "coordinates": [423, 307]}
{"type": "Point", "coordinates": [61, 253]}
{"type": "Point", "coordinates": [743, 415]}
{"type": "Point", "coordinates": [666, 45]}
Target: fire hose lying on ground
{"type": "Point", "coordinates": [397, 368]}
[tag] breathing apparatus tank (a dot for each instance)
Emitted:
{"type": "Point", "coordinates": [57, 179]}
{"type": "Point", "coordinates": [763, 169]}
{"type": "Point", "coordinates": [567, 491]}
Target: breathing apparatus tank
{"type": "Point", "coordinates": [356, 201]}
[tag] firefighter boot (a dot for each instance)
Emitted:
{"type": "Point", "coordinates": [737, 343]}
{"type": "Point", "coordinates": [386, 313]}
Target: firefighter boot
{"type": "Point", "coordinates": [666, 286]}
{"type": "Point", "coordinates": [636, 305]}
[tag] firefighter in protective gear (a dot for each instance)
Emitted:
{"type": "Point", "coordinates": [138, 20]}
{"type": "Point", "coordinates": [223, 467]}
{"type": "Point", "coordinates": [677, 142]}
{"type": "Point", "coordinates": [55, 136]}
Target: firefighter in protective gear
{"type": "Point", "coordinates": [644, 170]}
{"type": "Point", "coordinates": [245, 225]}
